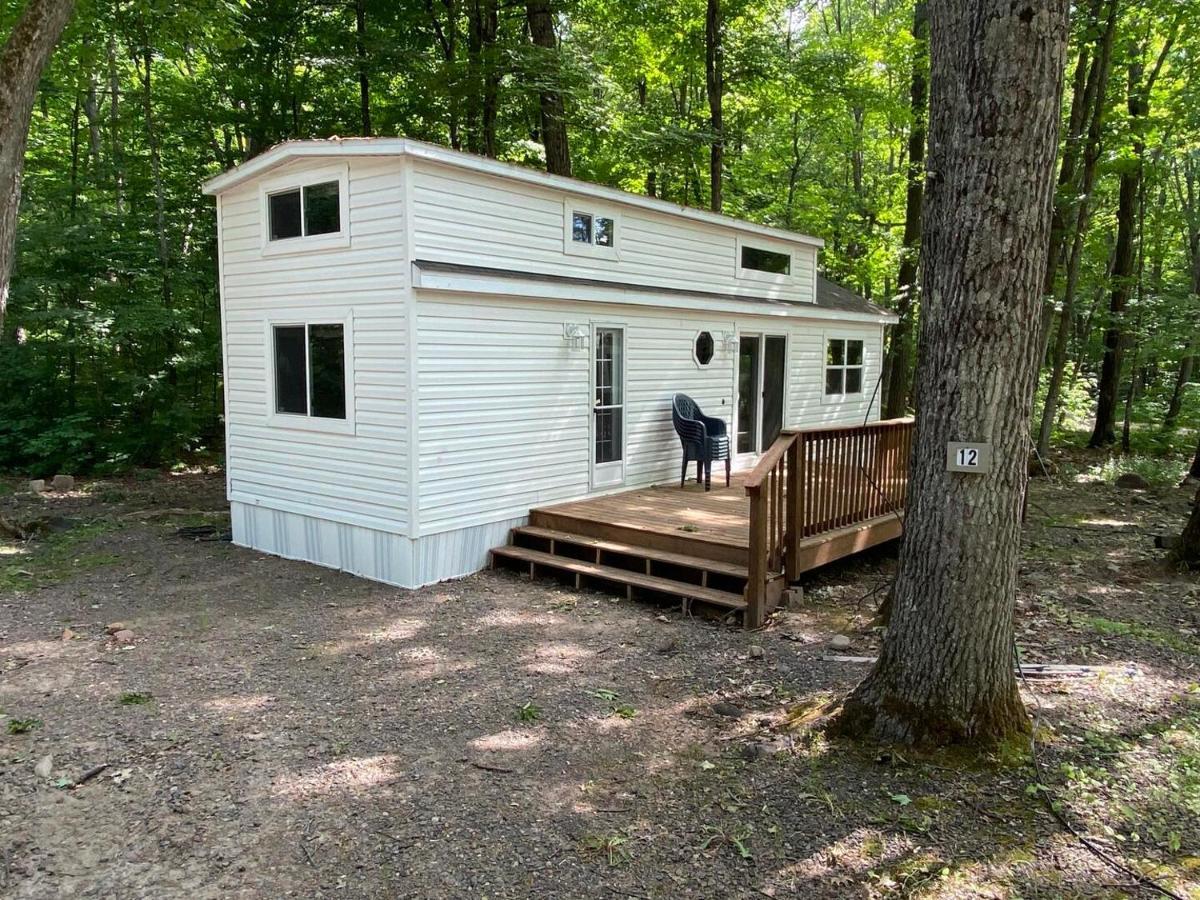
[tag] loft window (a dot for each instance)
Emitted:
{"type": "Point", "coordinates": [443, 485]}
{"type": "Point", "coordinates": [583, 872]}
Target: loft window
{"type": "Point", "coordinates": [310, 370]}
{"type": "Point", "coordinates": [843, 367]}
{"type": "Point", "coordinates": [304, 211]}
{"type": "Point", "coordinates": [600, 231]}
{"type": "Point", "coordinates": [703, 349]}
{"type": "Point", "coordinates": [766, 261]}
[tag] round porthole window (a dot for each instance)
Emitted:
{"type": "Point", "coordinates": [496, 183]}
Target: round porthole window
{"type": "Point", "coordinates": [704, 348]}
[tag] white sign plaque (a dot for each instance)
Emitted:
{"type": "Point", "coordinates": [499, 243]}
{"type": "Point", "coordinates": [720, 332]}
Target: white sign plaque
{"type": "Point", "coordinates": [967, 457]}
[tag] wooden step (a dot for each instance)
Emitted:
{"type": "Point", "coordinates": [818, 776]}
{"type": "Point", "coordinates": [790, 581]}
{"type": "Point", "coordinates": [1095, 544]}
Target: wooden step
{"type": "Point", "coordinates": [640, 535]}
{"type": "Point", "coordinates": [682, 560]}
{"type": "Point", "coordinates": [619, 576]}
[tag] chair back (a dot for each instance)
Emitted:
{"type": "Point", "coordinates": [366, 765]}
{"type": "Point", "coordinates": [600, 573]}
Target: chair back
{"type": "Point", "coordinates": [683, 416]}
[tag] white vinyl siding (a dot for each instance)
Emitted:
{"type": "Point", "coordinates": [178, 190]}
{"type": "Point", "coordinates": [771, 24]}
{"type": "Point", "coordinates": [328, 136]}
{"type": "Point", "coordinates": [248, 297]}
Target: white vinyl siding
{"type": "Point", "coordinates": [504, 402]}
{"type": "Point", "coordinates": [359, 477]}
{"type": "Point", "coordinates": [481, 220]}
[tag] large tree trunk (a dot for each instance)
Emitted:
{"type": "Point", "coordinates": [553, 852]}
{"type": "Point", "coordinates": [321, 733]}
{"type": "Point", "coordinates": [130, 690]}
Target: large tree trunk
{"type": "Point", "coordinates": [899, 356]}
{"type": "Point", "coordinates": [25, 54]}
{"type": "Point", "coordinates": [553, 114]}
{"type": "Point", "coordinates": [1193, 474]}
{"type": "Point", "coordinates": [945, 672]}
{"type": "Point", "coordinates": [714, 72]}
{"type": "Point", "coordinates": [1188, 549]}
{"type": "Point", "coordinates": [483, 26]}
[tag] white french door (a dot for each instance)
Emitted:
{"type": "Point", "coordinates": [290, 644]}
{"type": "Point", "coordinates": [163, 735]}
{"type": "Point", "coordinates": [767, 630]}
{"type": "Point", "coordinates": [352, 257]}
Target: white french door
{"type": "Point", "coordinates": [608, 406]}
{"type": "Point", "coordinates": [761, 384]}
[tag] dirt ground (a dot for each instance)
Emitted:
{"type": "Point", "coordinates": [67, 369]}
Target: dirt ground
{"type": "Point", "coordinates": [275, 729]}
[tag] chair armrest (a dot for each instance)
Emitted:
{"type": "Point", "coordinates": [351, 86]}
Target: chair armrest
{"type": "Point", "coordinates": [714, 426]}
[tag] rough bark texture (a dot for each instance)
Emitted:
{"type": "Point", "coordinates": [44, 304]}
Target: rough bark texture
{"type": "Point", "coordinates": [714, 70]}
{"type": "Point", "coordinates": [899, 356]}
{"type": "Point", "coordinates": [25, 54]}
{"type": "Point", "coordinates": [554, 121]}
{"type": "Point", "coordinates": [1193, 474]}
{"type": "Point", "coordinates": [945, 672]}
{"type": "Point", "coordinates": [360, 53]}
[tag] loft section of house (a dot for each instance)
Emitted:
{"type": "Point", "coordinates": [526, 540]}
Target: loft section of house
{"type": "Point", "coordinates": [434, 361]}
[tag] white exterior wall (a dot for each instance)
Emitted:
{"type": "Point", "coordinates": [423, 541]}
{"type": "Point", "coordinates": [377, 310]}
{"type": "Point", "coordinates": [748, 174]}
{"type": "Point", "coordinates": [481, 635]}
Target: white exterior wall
{"type": "Point", "coordinates": [504, 405]}
{"type": "Point", "coordinates": [357, 475]}
{"type": "Point", "coordinates": [482, 220]}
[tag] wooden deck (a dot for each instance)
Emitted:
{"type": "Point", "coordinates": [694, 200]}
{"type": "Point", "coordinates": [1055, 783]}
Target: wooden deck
{"type": "Point", "coordinates": [817, 496]}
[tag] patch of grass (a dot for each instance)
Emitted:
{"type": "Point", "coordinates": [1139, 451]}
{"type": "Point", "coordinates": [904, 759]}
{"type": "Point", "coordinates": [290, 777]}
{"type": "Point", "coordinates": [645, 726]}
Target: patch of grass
{"type": "Point", "coordinates": [136, 698]}
{"type": "Point", "coordinates": [609, 846]}
{"type": "Point", "coordinates": [55, 558]}
{"type": "Point", "coordinates": [528, 712]}
{"type": "Point", "coordinates": [1162, 471]}
{"type": "Point", "coordinates": [23, 726]}
{"type": "Point", "coordinates": [1161, 636]}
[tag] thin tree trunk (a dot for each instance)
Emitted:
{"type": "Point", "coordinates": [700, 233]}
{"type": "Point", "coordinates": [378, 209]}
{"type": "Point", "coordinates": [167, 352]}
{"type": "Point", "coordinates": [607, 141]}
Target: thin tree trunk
{"type": "Point", "coordinates": [1138, 102]}
{"type": "Point", "coordinates": [1188, 550]}
{"type": "Point", "coordinates": [945, 671]}
{"type": "Point", "coordinates": [114, 125]}
{"type": "Point", "coordinates": [899, 356]}
{"type": "Point", "coordinates": [22, 60]}
{"type": "Point", "coordinates": [1183, 375]}
{"type": "Point", "coordinates": [91, 109]}
{"type": "Point", "coordinates": [1193, 473]}
{"type": "Point", "coordinates": [360, 52]}
{"type": "Point", "coordinates": [714, 77]}
{"type": "Point", "coordinates": [553, 114]}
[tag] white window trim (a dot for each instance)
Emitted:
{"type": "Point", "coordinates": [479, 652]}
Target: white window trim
{"type": "Point", "coordinates": [295, 421]}
{"type": "Point", "coordinates": [832, 399]}
{"type": "Point", "coordinates": [764, 277]}
{"type": "Point", "coordinates": [578, 248]}
{"type": "Point", "coordinates": [339, 172]}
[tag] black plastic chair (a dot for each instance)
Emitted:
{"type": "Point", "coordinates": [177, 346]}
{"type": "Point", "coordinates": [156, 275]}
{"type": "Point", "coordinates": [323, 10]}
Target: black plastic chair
{"type": "Point", "coordinates": [703, 438]}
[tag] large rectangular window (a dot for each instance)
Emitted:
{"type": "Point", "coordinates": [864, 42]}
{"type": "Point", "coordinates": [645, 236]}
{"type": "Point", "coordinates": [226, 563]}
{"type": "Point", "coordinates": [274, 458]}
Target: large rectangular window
{"type": "Point", "coordinates": [304, 211]}
{"type": "Point", "coordinates": [310, 370]}
{"type": "Point", "coordinates": [843, 367]}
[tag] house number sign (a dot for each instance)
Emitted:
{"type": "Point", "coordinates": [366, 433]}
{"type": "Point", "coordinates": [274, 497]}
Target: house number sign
{"type": "Point", "coordinates": [967, 457]}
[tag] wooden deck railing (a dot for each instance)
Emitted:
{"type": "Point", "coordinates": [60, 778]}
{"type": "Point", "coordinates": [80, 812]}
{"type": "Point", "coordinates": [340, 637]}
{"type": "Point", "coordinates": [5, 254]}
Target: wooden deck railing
{"type": "Point", "coordinates": [813, 482]}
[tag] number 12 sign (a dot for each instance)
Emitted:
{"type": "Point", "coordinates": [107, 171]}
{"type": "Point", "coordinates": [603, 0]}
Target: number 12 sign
{"type": "Point", "coordinates": [967, 457]}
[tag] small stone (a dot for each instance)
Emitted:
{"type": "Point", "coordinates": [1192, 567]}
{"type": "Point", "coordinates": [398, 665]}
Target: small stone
{"type": "Point", "coordinates": [661, 618]}
{"type": "Point", "coordinates": [37, 485]}
{"type": "Point", "coordinates": [1132, 481]}
{"type": "Point", "coordinates": [114, 627]}
{"type": "Point", "coordinates": [124, 636]}
{"type": "Point", "coordinates": [756, 652]}
{"type": "Point", "coordinates": [727, 709]}
{"type": "Point", "coordinates": [44, 766]}
{"type": "Point", "coordinates": [63, 483]}
{"type": "Point", "coordinates": [840, 642]}
{"type": "Point", "coordinates": [68, 634]}
{"type": "Point", "coordinates": [793, 598]}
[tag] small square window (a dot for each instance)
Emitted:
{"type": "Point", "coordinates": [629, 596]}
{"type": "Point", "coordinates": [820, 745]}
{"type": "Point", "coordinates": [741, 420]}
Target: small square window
{"type": "Point", "coordinates": [843, 367]}
{"type": "Point", "coordinates": [605, 232]}
{"type": "Point", "coordinates": [833, 381]}
{"type": "Point", "coordinates": [854, 353]}
{"type": "Point", "coordinates": [322, 213]}
{"type": "Point", "coordinates": [581, 228]}
{"type": "Point", "coordinates": [291, 392]}
{"type": "Point", "coordinates": [285, 215]}
{"type": "Point", "coordinates": [853, 381]}
{"type": "Point", "coordinates": [837, 353]}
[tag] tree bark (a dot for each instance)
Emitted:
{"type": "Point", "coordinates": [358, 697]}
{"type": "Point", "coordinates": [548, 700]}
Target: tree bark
{"type": "Point", "coordinates": [22, 60]}
{"type": "Point", "coordinates": [553, 114]}
{"type": "Point", "coordinates": [1193, 474]}
{"type": "Point", "coordinates": [714, 77]}
{"type": "Point", "coordinates": [1187, 551]}
{"type": "Point", "coordinates": [360, 53]}
{"type": "Point", "coordinates": [945, 671]}
{"type": "Point", "coordinates": [483, 30]}
{"type": "Point", "coordinates": [899, 356]}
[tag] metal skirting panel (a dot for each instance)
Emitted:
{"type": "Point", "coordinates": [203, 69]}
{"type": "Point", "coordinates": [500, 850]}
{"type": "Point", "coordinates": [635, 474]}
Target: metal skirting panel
{"type": "Point", "coordinates": [359, 550]}
{"type": "Point", "coordinates": [452, 554]}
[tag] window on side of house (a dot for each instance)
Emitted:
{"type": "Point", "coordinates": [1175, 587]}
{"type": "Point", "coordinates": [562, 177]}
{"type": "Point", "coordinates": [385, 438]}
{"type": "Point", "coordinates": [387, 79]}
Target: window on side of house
{"type": "Point", "coordinates": [599, 231]}
{"type": "Point", "coordinates": [310, 370]}
{"type": "Point", "coordinates": [703, 348]}
{"type": "Point", "coordinates": [305, 211]}
{"type": "Point", "coordinates": [843, 367]}
{"type": "Point", "coordinates": [760, 260]}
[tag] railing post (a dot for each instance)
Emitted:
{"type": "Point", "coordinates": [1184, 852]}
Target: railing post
{"type": "Point", "coordinates": [756, 583]}
{"type": "Point", "coordinates": [792, 503]}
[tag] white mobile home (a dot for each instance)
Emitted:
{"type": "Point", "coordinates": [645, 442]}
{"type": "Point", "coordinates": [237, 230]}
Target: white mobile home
{"type": "Point", "coordinates": [421, 345]}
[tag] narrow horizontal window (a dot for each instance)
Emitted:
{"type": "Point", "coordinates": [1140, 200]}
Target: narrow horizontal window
{"type": "Point", "coordinates": [304, 211]}
{"type": "Point", "coordinates": [843, 367]}
{"type": "Point", "coordinates": [766, 261]}
{"type": "Point", "coordinates": [310, 370]}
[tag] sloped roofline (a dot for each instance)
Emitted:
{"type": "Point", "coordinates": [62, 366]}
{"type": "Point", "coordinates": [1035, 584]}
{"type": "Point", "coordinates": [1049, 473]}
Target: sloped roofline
{"type": "Point", "coordinates": [337, 147]}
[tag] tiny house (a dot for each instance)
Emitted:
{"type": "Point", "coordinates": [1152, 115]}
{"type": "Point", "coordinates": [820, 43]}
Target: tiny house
{"type": "Point", "coordinates": [421, 346]}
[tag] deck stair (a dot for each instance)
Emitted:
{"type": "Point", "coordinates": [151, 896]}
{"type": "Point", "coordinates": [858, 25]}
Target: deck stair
{"type": "Point", "coordinates": [586, 556]}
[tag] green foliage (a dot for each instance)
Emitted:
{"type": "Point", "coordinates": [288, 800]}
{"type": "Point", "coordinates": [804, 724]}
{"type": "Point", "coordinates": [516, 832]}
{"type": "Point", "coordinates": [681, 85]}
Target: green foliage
{"type": "Point", "coordinates": [528, 712]}
{"type": "Point", "coordinates": [135, 698]}
{"type": "Point", "coordinates": [23, 726]}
